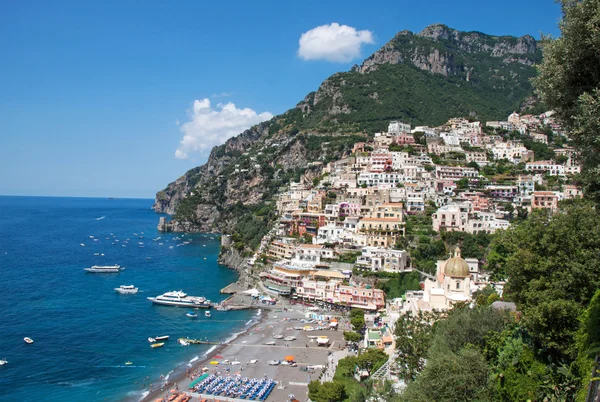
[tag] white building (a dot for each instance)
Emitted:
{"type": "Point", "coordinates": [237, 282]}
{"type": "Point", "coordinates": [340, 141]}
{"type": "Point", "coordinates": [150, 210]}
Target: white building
{"type": "Point", "coordinates": [383, 259]}
{"type": "Point", "coordinates": [451, 285]}
{"type": "Point", "coordinates": [398, 127]}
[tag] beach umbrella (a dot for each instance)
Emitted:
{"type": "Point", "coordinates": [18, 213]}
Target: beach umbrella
{"type": "Point", "coordinates": [289, 358]}
{"type": "Point", "coordinates": [214, 362]}
{"type": "Point", "coordinates": [204, 368]}
{"type": "Point", "coordinates": [218, 357]}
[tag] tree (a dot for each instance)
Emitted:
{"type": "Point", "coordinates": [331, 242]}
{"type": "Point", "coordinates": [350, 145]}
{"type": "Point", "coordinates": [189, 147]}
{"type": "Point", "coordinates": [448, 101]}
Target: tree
{"type": "Point", "coordinates": [568, 82]}
{"type": "Point", "coordinates": [350, 336]}
{"type": "Point", "coordinates": [552, 267]}
{"type": "Point", "coordinates": [462, 376]}
{"type": "Point", "coordinates": [414, 334]}
{"type": "Point", "coordinates": [371, 360]}
{"type": "Point", "coordinates": [357, 319]}
{"type": "Point", "coordinates": [333, 391]}
{"type": "Point", "coordinates": [463, 183]}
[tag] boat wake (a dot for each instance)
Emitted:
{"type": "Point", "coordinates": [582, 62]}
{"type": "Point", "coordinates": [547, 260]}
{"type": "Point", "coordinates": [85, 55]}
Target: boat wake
{"type": "Point", "coordinates": [100, 218]}
{"type": "Point", "coordinates": [144, 395]}
{"type": "Point", "coordinates": [210, 350]}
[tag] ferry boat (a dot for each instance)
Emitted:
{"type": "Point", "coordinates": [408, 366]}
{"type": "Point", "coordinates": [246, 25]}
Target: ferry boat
{"type": "Point", "coordinates": [126, 289]}
{"type": "Point", "coordinates": [104, 268]}
{"type": "Point", "coordinates": [179, 298]}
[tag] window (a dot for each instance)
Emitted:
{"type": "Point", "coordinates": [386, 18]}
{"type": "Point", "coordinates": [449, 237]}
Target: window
{"type": "Point", "coordinates": [457, 285]}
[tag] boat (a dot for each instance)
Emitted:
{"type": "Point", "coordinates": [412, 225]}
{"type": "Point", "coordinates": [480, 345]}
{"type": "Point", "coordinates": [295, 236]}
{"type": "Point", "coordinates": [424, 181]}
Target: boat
{"type": "Point", "coordinates": [151, 340]}
{"type": "Point", "coordinates": [194, 341]}
{"type": "Point", "coordinates": [179, 298]}
{"type": "Point", "coordinates": [157, 345]}
{"type": "Point", "coordinates": [126, 289]}
{"type": "Point", "coordinates": [162, 338]}
{"type": "Point", "coordinates": [191, 314]}
{"type": "Point", "coordinates": [104, 269]}
{"type": "Point", "coordinates": [28, 340]}
{"type": "Point", "coordinates": [128, 363]}
{"type": "Point", "coordinates": [207, 314]}
{"type": "Point", "coordinates": [183, 342]}
{"type": "Point", "coordinates": [3, 362]}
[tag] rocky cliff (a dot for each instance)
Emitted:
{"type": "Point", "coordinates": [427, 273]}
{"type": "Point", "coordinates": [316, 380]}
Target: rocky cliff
{"type": "Point", "coordinates": [422, 78]}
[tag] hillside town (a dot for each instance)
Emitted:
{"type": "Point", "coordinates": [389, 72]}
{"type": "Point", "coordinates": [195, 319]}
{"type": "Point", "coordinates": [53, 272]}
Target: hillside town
{"type": "Point", "coordinates": [350, 221]}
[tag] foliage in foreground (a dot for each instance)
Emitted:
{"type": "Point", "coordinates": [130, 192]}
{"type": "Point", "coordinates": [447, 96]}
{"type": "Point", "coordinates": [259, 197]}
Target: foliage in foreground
{"type": "Point", "coordinates": [569, 82]}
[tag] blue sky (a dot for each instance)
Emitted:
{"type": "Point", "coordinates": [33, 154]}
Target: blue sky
{"type": "Point", "coordinates": [96, 97]}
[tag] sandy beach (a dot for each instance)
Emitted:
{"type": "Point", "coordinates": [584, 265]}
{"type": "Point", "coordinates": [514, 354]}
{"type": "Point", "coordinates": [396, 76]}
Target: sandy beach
{"type": "Point", "coordinates": [252, 344]}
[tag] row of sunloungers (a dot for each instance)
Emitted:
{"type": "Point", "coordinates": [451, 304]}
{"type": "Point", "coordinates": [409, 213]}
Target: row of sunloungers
{"type": "Point", "coordinates": [236, 387]}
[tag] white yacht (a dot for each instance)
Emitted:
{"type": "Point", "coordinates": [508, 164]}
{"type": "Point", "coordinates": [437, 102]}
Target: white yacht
{"type": "Point", "coordinates": [104, 268]}
{"type": "Point", "coordinates": [127, 289]}
{"type": "Point", "coordinates": [179, 298]}
{"type": "Point", "coordinates": [3, 362]}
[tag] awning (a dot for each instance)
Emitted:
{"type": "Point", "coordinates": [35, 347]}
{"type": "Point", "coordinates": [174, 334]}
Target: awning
{"type": "Point", "coordinates": [197, 380]}
{"type": "Point", "coordinates": [251, 292]}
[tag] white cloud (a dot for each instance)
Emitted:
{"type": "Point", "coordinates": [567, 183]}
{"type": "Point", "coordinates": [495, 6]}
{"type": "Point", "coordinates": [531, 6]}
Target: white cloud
{"type": "Point", "coordinates": [334, 42]}
{"type": "Point", "coordinates": [222, 95]}
{"type": "Point", "coordinates": [209, 127]}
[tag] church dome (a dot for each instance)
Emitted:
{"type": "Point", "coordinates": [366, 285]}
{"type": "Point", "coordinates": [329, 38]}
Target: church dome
{"type": "Point", "coordinates": [456, 266]}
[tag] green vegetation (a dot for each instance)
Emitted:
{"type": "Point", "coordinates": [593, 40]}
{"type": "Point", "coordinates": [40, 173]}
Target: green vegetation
{"type": "Point", "coordinates": [414, 334]}
{"type": "Point", "coordinates": [357, 319]}
{"type": "Point", "coordinates": [397, 285]}
{"type": "Point", "coordinates": [568, 82]}
{"type": "Point", "coordinates": [552, 264]}
{"type": "Point", "coordinates": [350, 336]}
{"type": "Point", "coordinates": [252, 224]}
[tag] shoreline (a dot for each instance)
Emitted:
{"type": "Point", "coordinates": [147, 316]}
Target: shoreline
{"type": "Point", "coordinates": [260, 352]}
{"type": "Point", "coordinates": [179, 376]}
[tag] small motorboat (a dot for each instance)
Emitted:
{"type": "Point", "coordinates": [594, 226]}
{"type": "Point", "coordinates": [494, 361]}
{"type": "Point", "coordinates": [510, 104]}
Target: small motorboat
{"type": "Point", "coordinates": [3, 362]}
{"type": "Point", "coordinates": [151, 340]}
{"type": "Point", "coordinates": [126, 289]}
{"type": "Point", "coordinates": [183, 342]}
{"type": "Point", "coordinates": [128, 363]}
{"type": "Point", "coordinates": [162, 338]}
{"type": "Point", "coordinates": [192, 314]}
{"type": "Point", "coordinates": [28, 340]}
{"type": "Point", "coordinates": [273, 362]}
{"type": "Point", "coordinates": [157, 345]}
{"type": "Point", "coordinates": [207, 314]}
{"type": "Point", "coordinates": [277, 336]}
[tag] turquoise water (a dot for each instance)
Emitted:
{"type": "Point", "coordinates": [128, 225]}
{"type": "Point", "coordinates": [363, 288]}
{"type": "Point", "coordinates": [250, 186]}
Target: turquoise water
{"type": "Point", "coordinates": [84, 331]}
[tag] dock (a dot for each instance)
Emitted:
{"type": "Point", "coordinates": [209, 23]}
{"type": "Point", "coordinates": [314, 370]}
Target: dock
{"type": "Point", "coordinates": [231, 289]}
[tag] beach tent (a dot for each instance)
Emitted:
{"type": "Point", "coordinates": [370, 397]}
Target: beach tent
{"type": "Point", "coordinates": [322, 340]}
{"type": "Point", "coordinates": [289, 358]}
{"type": "Point", "coordinates": [196, 381]}
{"type": "Point", "coordinates": [251, 292]}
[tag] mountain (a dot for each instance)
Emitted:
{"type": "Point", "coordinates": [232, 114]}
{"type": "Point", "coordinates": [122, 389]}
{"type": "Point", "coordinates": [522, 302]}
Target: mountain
{"type": "Point", "coordinates": [423, 78]}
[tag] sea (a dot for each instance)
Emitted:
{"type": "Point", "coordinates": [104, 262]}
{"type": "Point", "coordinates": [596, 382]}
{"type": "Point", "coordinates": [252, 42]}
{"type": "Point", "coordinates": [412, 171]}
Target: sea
{"type": "Point", "coordinates": [84, 332]}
